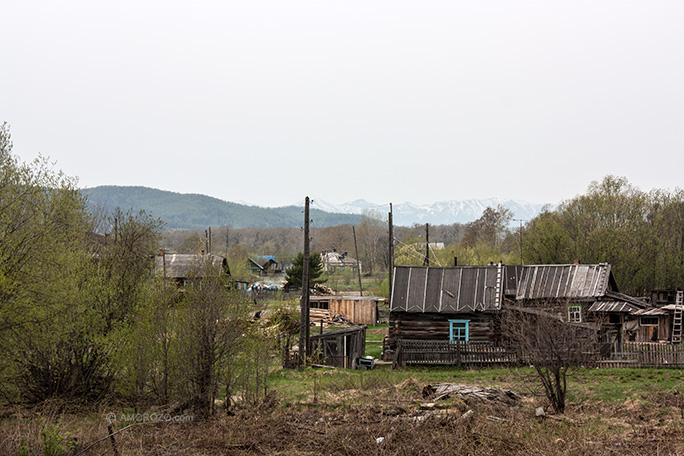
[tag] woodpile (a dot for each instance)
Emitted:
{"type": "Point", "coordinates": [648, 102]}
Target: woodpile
{"type": "Point", "coordinates": [319, 289]}
{"type": "Point", "coordinates": [470, 393]}
{"type": "Point", "coordinates": [316, 316]}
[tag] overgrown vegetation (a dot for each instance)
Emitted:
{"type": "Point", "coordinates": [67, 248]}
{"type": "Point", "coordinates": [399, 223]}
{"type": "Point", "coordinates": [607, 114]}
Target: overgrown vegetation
{"type": "Point", "coordinates": [610, 411]}
{"type": "Point", "coordinates": [83, 320]}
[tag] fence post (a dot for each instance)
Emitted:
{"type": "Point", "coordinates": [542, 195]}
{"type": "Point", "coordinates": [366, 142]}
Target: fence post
{"type": "Point", "coordinates": [458, 353]}
{"type": "Point", "coordinates": [397, 355]}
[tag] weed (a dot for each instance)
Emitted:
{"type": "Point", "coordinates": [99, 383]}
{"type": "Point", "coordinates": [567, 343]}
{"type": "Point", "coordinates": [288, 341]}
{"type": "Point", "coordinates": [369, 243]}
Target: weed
{"type": "Point", "coordinates": [54, 442]}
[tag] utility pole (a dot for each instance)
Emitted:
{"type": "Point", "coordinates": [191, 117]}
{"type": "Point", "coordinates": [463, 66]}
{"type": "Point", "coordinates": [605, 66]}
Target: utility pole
{"type": "Point", "coordinates": [358, 267]}
{"type": "Point", "coordinates": [391, 253]}
{"type": "Point", "coordinates": [426, 261]}
{"type": "Point", "coordinates": [304, 316]}
{"type": "Point", "coordinates": [520, 238]}
{"type": "Point", "coordinates": [209, 241]}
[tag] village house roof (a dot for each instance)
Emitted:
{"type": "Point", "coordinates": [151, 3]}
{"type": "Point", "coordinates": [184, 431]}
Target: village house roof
{"type": "Point", "coordinates": [335, 258]}
{"type": "Point", "coordinates": [447, 290]}
{"type": "Point", "coordinates": [652, 312]}
{"type": "Point", "coordinates": [565, 281]}
{"type": "Point", "coordinates": [262, 263]}
{"type": "Point", "coordinates": [613, 307]}
{"type": "Point", "coordinates": [178, 265]}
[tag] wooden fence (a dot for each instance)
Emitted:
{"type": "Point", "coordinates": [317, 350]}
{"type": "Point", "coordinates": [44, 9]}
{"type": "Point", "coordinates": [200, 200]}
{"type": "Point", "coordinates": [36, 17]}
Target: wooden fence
{"type": "Point", "coordinates": [440, 352]}
{"type": "Point", "coordinates": [635, 354]}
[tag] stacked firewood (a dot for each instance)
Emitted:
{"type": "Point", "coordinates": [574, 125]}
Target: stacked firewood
{"type": "Point", "coordinates": [316, 316]}
{"type": "Point", "coordinates": [319, 289]}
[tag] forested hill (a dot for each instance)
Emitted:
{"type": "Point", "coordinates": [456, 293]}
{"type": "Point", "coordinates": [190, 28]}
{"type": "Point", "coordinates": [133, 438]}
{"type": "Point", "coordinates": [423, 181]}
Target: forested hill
{"type": "Point", "coordinates": [196, 212]}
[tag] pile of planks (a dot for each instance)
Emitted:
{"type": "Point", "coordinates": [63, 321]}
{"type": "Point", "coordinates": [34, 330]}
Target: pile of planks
{"type": "Point", "coordinates": [316, 316]}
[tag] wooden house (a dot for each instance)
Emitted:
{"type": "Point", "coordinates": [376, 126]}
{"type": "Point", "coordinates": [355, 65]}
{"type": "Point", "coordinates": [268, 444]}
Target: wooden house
{"type": "Point", "coordinates": [339, 262]}
{"type": "Point", "coordinates": [264, 265]}
{"type": "Point", "coordinates": [360, 310]}
{"type": "Point", "coordinates": [464, 303]}
{"type": "Point", "coordinates": [453, 304]}
{"type": "Point", "coordinates": [579, 293]}
{"type": "Point", "coordinates": [178, 267]}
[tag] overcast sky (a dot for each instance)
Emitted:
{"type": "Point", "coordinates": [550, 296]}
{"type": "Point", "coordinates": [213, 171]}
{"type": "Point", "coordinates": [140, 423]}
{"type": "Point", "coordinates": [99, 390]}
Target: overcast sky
{"type": "Point", "coordinates": [266, 102]}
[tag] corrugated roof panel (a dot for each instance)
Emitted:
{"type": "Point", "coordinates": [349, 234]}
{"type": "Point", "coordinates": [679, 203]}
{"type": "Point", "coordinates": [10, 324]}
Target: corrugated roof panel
{"type": "Point", "coordinates": [469, 288]}
{"type": "Point", "coordinates": [451, 289]}
{"type": "Point", "coordinates": [400, 287]}
{"type": "Point", "coordinates": [416, 292]}
{"type": "Point", "coordinates": [434, 289]}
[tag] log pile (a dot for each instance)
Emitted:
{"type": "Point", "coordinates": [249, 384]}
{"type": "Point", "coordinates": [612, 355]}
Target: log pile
{"type": "Point", "coordinates": [316, 316]}
{"type": "Point", "coordinates": [319, 289]}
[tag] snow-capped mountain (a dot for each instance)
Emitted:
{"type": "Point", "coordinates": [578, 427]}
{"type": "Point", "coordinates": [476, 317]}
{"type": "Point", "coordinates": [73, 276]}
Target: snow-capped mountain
{"type": "Point", "coordinates": [441, 213]}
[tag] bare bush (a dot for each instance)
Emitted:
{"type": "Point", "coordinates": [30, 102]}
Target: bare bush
{"type": "Point", "coordinates": [551, 346]}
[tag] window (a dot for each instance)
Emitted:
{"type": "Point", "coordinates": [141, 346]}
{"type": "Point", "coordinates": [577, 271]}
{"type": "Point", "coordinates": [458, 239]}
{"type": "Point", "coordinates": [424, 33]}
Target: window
{"type": "Point", "coordinates": [575, 314]}
{"type": "Point", "coordinates": [458, 330]}
{"type": "Point", "coordinates": [649, 321]}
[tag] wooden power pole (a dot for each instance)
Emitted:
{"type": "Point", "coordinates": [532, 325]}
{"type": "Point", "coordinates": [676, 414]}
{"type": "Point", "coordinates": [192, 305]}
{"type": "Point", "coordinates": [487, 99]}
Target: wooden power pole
{"type": "Point", "coordinates": [358, 265]}
{"type": "Point", "coordinates": [391, 253]}
{"type": "Point", "coordinates": [304, 316]}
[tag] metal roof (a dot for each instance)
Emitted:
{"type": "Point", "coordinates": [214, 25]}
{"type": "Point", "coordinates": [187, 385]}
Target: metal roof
{"type": "Point", "coordinates": [178, 265]}
{"type": "Point", "coordinates": [613, 306]}
{"type": "Point", "coordinates": [447, 290]}
{"type": "Point", "coordinates": [576, 281]}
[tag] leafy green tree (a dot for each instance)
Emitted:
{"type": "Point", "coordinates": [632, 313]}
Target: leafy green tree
{"type": "Point", "coordinates": [641, 234]}
{"type": "Point", "coordinates": [294, 272]}
{"type": "Point", "coordinates": [51, 339]}
{"type": "Point", "coordinates": [490, 228]}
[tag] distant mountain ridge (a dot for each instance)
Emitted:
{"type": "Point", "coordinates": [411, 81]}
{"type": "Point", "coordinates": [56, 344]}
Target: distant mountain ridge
{"type": "Point", "coordinates": [441, 213]}
{"type": "Point", "coordinates": [182, 211]}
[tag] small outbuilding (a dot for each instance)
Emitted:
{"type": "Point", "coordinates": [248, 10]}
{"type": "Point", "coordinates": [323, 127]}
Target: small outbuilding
{"type": "Point", "coordinates": [360, 310]}
{"type": "Point", "coordinates": [339, 347]}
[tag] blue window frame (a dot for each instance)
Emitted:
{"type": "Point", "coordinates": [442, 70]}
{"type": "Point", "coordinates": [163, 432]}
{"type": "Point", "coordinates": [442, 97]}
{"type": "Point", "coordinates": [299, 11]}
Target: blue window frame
{"type": "Point", "coordinates": [458, 330]}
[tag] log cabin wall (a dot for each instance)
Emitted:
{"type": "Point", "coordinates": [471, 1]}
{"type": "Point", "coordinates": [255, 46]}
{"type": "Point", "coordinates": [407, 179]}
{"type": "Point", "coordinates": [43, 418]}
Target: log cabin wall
{"type": "Point", "coordinates": [483, 327]}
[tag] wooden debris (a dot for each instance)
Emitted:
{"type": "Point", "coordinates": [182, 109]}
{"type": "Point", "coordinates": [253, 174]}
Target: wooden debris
{"type": "Point", "coordinates": [447, 390]}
